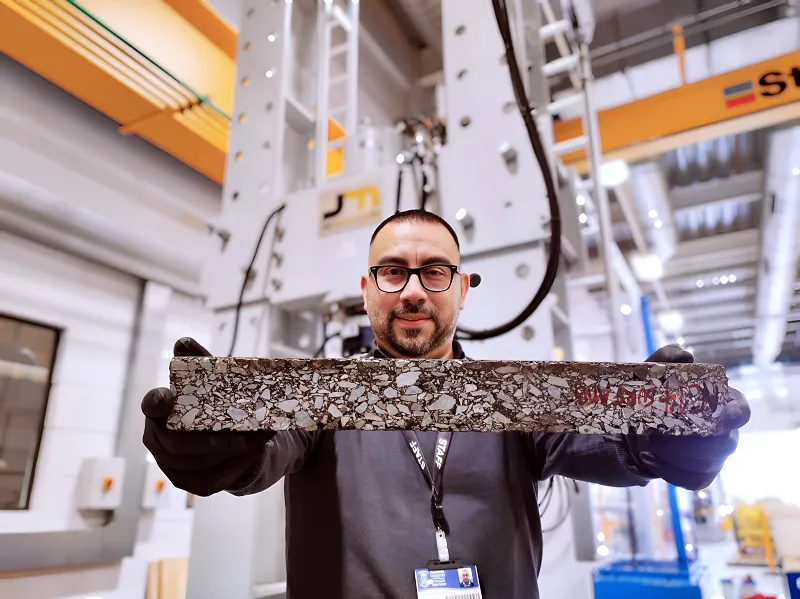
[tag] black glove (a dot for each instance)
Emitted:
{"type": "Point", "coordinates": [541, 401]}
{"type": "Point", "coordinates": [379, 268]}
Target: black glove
{"type": "Point", "coordinates": [200, 462]}
{"type": "Point", "coordinates": [692, 462]}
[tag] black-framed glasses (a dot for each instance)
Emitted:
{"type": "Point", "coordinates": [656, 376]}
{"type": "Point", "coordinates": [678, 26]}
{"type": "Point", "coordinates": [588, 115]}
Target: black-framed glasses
{"type": "Point", "coordinates": [433, 277]}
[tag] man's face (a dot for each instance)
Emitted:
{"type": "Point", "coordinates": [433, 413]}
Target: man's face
{"type": "Point", "coordinates": [465, 576]}
{"type": "Point", "coordinates": [414, 322]}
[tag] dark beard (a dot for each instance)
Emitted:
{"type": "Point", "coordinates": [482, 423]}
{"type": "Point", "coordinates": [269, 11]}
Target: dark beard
{"type": "Point", "coordinates": [409, 343]}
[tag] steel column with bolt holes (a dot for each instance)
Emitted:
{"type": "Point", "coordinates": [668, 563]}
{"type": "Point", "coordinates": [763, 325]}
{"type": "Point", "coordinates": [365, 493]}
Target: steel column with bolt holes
{"type": "Point", "coordinates": [503, 215]}
{"type": "Point", "coordinates": [237, 542]}
{"type": "Point", "coordinates": [254, 184]}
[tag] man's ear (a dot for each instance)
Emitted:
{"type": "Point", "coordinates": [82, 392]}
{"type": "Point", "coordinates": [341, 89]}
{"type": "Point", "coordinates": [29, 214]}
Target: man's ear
{"type": "Point", "coordinates": [364, 282]}
{"type": "Point", "coordinates": [464, 278]}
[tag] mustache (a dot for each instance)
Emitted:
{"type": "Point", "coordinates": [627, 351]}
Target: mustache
{"type": "Point", "coordinates": [397, 312]}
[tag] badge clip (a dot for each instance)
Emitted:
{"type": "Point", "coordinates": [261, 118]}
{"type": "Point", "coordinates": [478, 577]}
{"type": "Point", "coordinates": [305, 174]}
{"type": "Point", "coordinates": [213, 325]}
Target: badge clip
{"type": "Point", "coordinates": [437, 565]}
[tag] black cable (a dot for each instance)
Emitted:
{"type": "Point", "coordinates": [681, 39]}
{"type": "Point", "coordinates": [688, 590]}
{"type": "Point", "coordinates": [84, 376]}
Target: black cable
{"type": "Point", "coordinates": [566, 502]}
{"type": "Point", "coordinates": [555, 215]}
{"type": "Point", "coordinates": [399, 188]}
{"type": "Point", "coordinates": [320, 353]}
{"type": "Point", "coordinates": [423, 193]}
{"type": "Point", "coordinates": [247, 273]}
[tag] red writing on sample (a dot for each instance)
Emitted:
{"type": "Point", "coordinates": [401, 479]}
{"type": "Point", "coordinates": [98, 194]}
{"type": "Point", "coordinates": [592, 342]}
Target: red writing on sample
{"type": "Point", "coordinates": [678, 400]}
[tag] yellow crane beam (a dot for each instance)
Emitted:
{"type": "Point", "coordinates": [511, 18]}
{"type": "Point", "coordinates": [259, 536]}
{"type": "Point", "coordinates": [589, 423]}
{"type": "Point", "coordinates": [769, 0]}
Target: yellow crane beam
{"type": "Point", "coordinates": [753, 97]}
{"type": "Point", "coordinates": [165, 69]}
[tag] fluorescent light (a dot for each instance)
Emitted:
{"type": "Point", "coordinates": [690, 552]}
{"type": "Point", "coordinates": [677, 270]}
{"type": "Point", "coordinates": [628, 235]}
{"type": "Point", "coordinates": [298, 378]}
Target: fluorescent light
{"type": "Point", "coordinates": [652, 214]}
{"type": "Point", "coordinates": [724, 280]}
{"type": "Point", "coordinates": [715, 280]}
{"type": "Point", "coordinates": [625, 309]}
{"type": "Point", "coordinates": [462, 212]}
{"type": "Point", "coordinates": [700, 283]}
{"type": "Point", "coordinates": [731, 278]}
{"type": "Point", "coordinates": [796, 171]}
{"type": "Point", "coordinates": [601, 537]}
{"type": "Point", "coordinates": [660, 513]}
{"type": "Point", "coordinates": [647, 267]}
{"type": "Point", "coordinates": [269, 74]}
{"type": "Point", "coordinates": [271, 37]}
{"type": "Point", "coordinates": [582, 218]}
{"type": "Point", "coordinates": [419, 139]}
{"type": "Point", "coordinates": [681, 340]}
{"type": "Point", "coordinates": [401, 159]}
{"type": "Point", "coordinates": [702, 494]}
{"type": "Point", "coordinates": [689, 547]}
{"type": "Point", "coordinates": [670, 321]}
{"type": "Point", "coordinates": [614, 173]}
{"type": "Point", "coordinates": [602, 551]}
{"type": "Point", "coordinates": [658, 224]}
{"type": "Point", "coordinates": [580, 200]}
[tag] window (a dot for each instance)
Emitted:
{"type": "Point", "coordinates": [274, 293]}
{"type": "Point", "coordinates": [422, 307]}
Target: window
{"type": "Point", "coordinates": [27, 354]}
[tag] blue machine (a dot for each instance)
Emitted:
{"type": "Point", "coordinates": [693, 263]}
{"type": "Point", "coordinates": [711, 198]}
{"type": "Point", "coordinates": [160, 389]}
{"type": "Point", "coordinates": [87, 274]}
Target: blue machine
{"type": "Point", "coordinates": [674, 579]}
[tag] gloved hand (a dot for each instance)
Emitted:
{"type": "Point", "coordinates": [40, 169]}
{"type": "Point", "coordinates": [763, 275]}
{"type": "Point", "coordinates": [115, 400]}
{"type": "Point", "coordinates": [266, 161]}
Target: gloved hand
{"type": "Point", "coordinates": [200, 462]}
{"type": "Point", "coordinates": [692, 462]}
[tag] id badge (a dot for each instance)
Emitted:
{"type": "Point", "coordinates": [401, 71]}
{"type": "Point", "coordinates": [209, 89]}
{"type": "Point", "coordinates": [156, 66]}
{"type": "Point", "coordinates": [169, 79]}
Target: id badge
{"type": "Point", "coordinates": [455, 583]}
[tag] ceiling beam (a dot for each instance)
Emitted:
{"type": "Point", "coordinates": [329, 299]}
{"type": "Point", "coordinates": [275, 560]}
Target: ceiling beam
{"type": "Point", "coordinates": [737, 188]}
{"type": "Point", "coordinates": [716, 310]}
{"type": "Point", "coordinates": [713, 296]}
{"type": "Point", "coordinates": [692, 339]}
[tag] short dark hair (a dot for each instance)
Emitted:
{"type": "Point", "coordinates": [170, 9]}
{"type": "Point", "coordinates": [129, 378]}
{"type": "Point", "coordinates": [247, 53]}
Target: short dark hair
{"type": "Point", "coordinates": [416, 216]}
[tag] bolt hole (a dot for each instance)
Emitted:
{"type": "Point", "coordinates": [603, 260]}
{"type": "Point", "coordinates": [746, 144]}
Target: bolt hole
{"type": "Point", "coordinates": [267, 145]}
{"type": "Point", "coordinates": [508, 204]}
{"type": "Point", "coordinates": [269, 106]}
{"type": "Point", "coordinates": [465, 121]}
{"type": "Point", "coordinates": [461, 73]}
{"type": "Point", "coordinates": [251, 12]}
{"type": "Point", "coordinates": [522, 270]}
{"type": "Point", "coordinates": [245, 81]}
{"type": "Point", "coordinates": [460, 30]}
{"type": "Point", "coordinates": [242, 118]}
{"type": "Point", "coordinates": [238, 156]}
{"type": "Point", "coordinates": [235, 195]}
{"type": "Point", "coordinates": [527, 332]}
{"type": "Point", "coordinates": [247, 46]}
{"type": "Point", "coordinates": [509, 107]}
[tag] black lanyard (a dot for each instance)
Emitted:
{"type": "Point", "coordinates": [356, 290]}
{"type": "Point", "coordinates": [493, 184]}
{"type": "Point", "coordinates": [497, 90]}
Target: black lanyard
{"type": "Point", "coordinates": [434, 482]}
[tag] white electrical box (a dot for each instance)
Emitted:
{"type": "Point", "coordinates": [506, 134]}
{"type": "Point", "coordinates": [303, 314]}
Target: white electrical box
{"type": "Point", "coordinates": [156, 488]}
{"type": "Point", "coordinates": [100, 483]}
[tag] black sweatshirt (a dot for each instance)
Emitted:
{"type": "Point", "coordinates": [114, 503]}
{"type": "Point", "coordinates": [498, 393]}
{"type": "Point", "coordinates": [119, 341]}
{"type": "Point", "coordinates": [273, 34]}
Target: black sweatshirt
{"type": "Point", "coordinates": [358, 520]}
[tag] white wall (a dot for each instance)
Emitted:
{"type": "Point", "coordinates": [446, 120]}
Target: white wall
{"type": "Point", "coordinates": [96, 309]}
{"type": "Point", "coordinates": [60, 144]}
{"type": "Point", "coordinates": [56, 142]}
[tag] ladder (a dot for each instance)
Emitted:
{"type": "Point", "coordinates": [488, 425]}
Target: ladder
{"type": "Point", "coordinates": [574, 62]}
{"type": "Point", "coordinates": [335, 19]}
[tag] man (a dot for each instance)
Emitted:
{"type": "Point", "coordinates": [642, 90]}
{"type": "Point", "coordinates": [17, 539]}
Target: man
{"type": "Point", "coordinates": [466, 579]}
{"type": "Point", "coordinates": [358, 507]}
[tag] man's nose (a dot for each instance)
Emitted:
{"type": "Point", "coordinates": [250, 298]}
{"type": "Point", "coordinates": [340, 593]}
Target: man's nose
{"type": "Point", "coordinates": [414, 291]}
